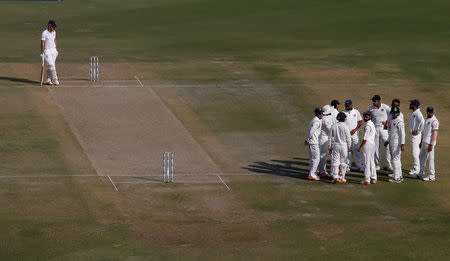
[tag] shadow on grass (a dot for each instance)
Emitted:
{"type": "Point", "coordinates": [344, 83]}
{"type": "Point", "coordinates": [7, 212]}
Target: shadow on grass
{"type": "Point", "coordinates": [12, 79]}
{"type": "Point", "coordinates": [299, 168]}
{"type": "Point", "coordinates": [295, 168]}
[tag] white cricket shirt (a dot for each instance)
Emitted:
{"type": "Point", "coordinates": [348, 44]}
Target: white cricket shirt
{"type": "Point", "coordinates": [379, 114]}
{"type": "Point", "coordinates": [397, 131]}
{"type": "Point", "coordinates": [416, 121]}
{"type": "Point", "coordinates": [314, 129]}
{"type": "Point", "coordinates": [340, 134]}
{"type": "Point", "coordinates": [353, 117]}
{"type": "Point", "coordinates": [369, 132]}
{"type": "Point", "coordinates": [431, 124]}
{"type": "Point", "coordinates": [49, 38]}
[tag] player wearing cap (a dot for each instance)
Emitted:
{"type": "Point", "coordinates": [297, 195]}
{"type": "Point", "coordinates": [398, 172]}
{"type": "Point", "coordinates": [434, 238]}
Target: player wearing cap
{"type": "Point", "coordinates": [368, 150]}
{"type": "Point", "coordinates": [312, 140]}
{"type": "Point", "coordinates": [340, 141]}
{"type": "Point", "coordinates": [396, 142]}
{"type": "Point", "coordinates": [327, 121]}
{"type": "Point", "coordinates": [430, 132]}
{"type": "Point", "coordinates": [416, 122]}
{"type": "Point", "coordinates": [334, 109]}
{"type": "Point", "coordinates": [380, 112]}
{"type": "Point", "coordinates": [353, 122]}
{"type": "Point", "coordinates": [49, 52]}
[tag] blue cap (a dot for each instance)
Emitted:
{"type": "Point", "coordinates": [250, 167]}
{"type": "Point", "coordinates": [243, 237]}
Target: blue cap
{"type": "Point", "coordinates": [318, 111]}
{"type": "Point", "coordinates": [334, 103]}
{"type": "Point", "coordinates": [430, 109]}
{"type": "Point", "coordinates": [348, 102]}
{"type": "Point", "coordinates": [376, 97]}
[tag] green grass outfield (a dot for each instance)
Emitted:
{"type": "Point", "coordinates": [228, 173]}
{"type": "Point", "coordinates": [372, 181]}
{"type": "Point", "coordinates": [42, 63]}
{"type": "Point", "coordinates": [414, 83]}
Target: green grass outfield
{"type": "Point", "coordinates": [283, 51]}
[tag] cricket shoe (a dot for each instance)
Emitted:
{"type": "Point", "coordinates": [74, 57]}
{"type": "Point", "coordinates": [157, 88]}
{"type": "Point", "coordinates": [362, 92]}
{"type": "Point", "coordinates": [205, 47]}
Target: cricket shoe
{"type": "Point", "coordinates": [391, 175]}
{"type": "Point", "coordinates": [56, 82]}
{"type": "Point", "coordinates": [418, 176]}
{"type": "Point", "coordinates": [395, 180]}
{"type": "Point", "coordinates": [365, 182]}
{"type": "Point", "coordinates": [413, 172]}
{"type": "Point", "coordinates": [335, 181]}
{"type": "Point", "coordinates": [49, 82]}
{"type": "Point", "coordinates": [342, 180]}
{"type": "Point", "coordinates": [323, 174]}
{"type": "Point", "coordinates": [313, 178]}
{"type": "Point", "coordinates": [374, 181]}
{"type": "Point", "coordinates": [429, 178]}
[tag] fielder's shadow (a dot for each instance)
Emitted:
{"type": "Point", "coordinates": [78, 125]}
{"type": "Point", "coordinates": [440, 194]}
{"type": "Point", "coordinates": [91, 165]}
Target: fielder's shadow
{"type": "Point", "coordinates": [296, 168]}
{"type": "Point", "coordinates": [22, 80]}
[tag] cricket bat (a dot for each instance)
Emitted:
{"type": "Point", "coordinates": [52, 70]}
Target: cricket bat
{"type": "Point", "coordinates": [42, 70]}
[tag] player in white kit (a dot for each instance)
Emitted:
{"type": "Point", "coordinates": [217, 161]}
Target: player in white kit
{"type": "Point", "coordinates": [312, 140]}
{"type": "Point", "coordinates": [48, 50]}
{"type": "Point", "coordinates": [368, 150]}
{"type": "Point", "coordinates": [353, 122]}
{"type": "Point", "coordinates": [430, 132]}
{"type": "Point", "coordinates": [380, 112]}
{"type": "Point", "coordinates": [396, 143]}
{"type": "Point", "coordinates": [334, 109]}
{"type": "Point", "coordinates": [327, 121]}
{"type": "Point", "coordinates": [416, 122]}
{"type": "Point", "coordinates": [340, 142]}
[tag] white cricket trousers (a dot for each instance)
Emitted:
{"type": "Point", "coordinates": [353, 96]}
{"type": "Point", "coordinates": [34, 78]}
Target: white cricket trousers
{"type": "Point", "coordinates": [396, 153]}
{"type": "Point", "coordinates": [314, 158]}
{"type": "Point", "coordinates": [50, 56]}
{"type": "Point", "coordinates": [323, 155]}
{"type": "Point", "coordinates": [415, 141]}
{"type": "Point", "coordinates": [355, 153]}
{"type": "Point", "coordinates": [426, 157]}
{"type": "Point", "coordinates": [381, 136]}
{"type": "Point", "coordinates": [339, 161]}
{"type": "Point", "coordinates": [368, 152]}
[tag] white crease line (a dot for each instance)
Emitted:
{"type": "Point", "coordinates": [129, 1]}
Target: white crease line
{"type": "Point", "coordinates": [223, 182]}
{"type": "Point", "coordinates": [178, 181]}
{"type": "Point", "coordinates": [87, 81]}
{"type": "Point", "coordinates": [112, 182]}
{"type": "Point", "coordinates": [142, 85]}
{"type": "Point", "coordinates": [131, 175]}
{"type": "Point", "coordinates": [76, 86]}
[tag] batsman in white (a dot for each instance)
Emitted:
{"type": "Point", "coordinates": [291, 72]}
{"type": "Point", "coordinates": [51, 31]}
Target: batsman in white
{"type": "Point", "coordinates": [49, 52]}
{"type": "Point", "coordinates": [416, 122]}
{"type": "Point", "coordinates": [368, 150]}
{"type": "Point", "coordinates": [396, 142]}
{"type": "Point", "coordinates": [340, 141]}
{"type": "Point", "coordinates": [327, 121]}
{"type": "Point", "coordinates": [312, 140]}
{"type": "Point", "coordinates": [430, 132]}
{"type": "Point", "coordinates": [353, 122]}
{"type": "Point", "coordinates": [380, 112]}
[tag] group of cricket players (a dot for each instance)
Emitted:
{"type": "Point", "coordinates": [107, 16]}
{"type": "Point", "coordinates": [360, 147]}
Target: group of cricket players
{"type": "Point", "coordinates": [337, 133]}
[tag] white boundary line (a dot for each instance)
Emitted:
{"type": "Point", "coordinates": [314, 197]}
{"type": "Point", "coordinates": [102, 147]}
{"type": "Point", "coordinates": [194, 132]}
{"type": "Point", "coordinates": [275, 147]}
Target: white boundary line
{"type": "Point", "coordinates": [223, 182]}
{"type": "Point", "coordinates": [112, 182]}
{"type": "Point", "coordinates": [142, 85]}
{"type": "Point", "coordinates": [127, 175]}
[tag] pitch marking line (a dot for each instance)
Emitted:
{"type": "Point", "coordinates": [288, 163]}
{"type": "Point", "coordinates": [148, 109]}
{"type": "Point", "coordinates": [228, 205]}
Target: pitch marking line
{"type": "Point", "coordinates": [159, 182]}
{"type": "Point", "coordinates": [112, 182]}
{"type": "Point", "coordinates": [223, 182]}
{"type": "Point", "coordinates": [139, 81]}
